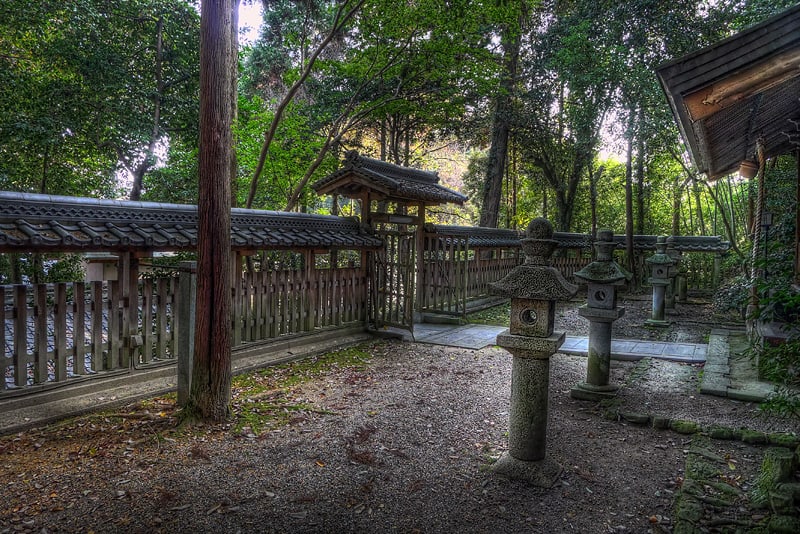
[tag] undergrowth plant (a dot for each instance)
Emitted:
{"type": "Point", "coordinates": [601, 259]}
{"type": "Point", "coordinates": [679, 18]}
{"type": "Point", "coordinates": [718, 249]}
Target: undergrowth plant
{"type": "Point", "coordinates": [780, 363]}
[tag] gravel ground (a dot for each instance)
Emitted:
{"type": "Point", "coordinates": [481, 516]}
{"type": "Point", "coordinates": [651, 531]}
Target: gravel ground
{"type": "Point", "coordinates": [400, 444]}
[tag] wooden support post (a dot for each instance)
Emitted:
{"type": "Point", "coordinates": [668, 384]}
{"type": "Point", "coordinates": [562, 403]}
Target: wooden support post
{"type": "Point", "coordinates": [238, 299]}
{"type": "Point", "coordinates": [20, 357]}
{"type": "Point", "coordinates": [4, 362]}
{"type": "Point", "coordinates": [97, 307]}
{"type": "Point", "coordinates": [797, 224]}
{"type": "Point", "coordinates": [60, 332]}
{"type": "Point", "coordinates": [420, 259]}
{"type": "Point", "coordinates": [40, 336]}
{"type": "Point", "coordinates": [79, 329]}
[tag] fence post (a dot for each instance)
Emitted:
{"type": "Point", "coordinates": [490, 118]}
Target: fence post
{"type": "Point", "coordinates": [187, 294]}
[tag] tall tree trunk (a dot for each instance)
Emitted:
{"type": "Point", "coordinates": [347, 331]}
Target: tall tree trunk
{"type": "Point", "coordinates": [701, 221]}
{"type": "Point", "coordinates": [148, 160]}
{"type": "Point", "coordinates": [640, 176]}
{"type": "Point", "coordinates": [721, 209]}
{"type": "Point", "coordinates": [501, 126]}
{"type": "Point", "coordinates": [630, 260]}
{"type": "Point", "coordinates": [676, 205]}
{"type": "Point", "coordinates": [211, 375]}
{"type": "Point", "coordinates": [594, 177]}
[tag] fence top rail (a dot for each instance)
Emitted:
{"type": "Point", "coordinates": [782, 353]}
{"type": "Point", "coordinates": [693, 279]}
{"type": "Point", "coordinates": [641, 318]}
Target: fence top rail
{"type": "Point", "coordinates": [501, 237]}
{"type": "Point", "coordinates": [38, 223]}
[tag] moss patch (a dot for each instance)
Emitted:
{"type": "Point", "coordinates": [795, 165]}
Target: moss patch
{"type": "Point", "coordinates": [264, 400]}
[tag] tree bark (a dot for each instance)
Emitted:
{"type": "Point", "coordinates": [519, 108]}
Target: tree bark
{"type": "Point", "coordinates": [629, 206]}
{"type": "Point", "coordinates": [640, 176]}
{"type": "Point", "coordinates": [676, 206]}
{"type": "Point", "coordinates": [729, 225]}
{"type": "Point", "coordinates": [501, 126]}
{"type": "Point", "coordinates": [148, 160]}
{"type": "Point", "coordinates": [594, 177]}
{"type": "Point", "coordinates": [211, 375]}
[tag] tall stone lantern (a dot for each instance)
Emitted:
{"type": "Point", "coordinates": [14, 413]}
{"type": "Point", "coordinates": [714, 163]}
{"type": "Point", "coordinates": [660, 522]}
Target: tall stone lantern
{"type": "Point", "coordinates": [533, 287]}
{"type": "Point", "coordinates": [602, 277]}
{"type": "Point", "coordinates": [659, 264]}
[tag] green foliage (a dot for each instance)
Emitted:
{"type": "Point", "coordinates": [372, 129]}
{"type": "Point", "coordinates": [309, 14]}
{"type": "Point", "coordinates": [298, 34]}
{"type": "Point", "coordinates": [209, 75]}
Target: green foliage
{"type": "Point", "coordinates": [297, 142]}
{"type": "Point", "coordinates": [165, 266]}
{"type": "Point", "coordinates": [44, 268]}
{"type": "Point", "coordinates": [732, 295]}
{"type": "Point", "coordinates": [81, 85]}
{"type": "Point", "coordinates": [177, 180]}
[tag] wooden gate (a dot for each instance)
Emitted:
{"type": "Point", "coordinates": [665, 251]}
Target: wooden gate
{"type": "Point", "coordinates": [393, 277]}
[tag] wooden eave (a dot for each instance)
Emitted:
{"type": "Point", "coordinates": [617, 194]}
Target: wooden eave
{"type": "Point", "coordinates": [726, 96]}
{"type": "Point", "coordinates": [351, 185]}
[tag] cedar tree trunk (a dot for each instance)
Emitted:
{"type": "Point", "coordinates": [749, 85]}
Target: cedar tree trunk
{"type": "Point", "coordinates": [211, 375]}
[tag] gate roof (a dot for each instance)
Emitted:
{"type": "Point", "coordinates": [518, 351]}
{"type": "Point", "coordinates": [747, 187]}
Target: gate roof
{"type": "Point", "coordinates": [387, 180]}
{"type": "Point", "coordinates": [36, 223]}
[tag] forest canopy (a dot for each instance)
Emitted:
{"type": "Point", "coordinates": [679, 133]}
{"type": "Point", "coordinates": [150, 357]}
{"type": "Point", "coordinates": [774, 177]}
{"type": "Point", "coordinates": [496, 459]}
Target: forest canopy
{"type": "Point", "coordinates": [530, 107]}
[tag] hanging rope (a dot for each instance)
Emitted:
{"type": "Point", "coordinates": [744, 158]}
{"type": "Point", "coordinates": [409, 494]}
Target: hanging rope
{"type": "Point", "coordinates": [754, 272]}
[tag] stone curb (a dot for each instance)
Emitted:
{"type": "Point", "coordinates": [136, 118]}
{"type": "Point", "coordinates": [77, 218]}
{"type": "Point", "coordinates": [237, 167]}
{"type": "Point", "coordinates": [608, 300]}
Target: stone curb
{"type": "Point", "coordinates": [722, 379]}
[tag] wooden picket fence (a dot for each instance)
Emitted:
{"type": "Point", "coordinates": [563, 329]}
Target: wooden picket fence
{"type": "Point", "coordinates": [273, 303]}
{"type": "Point", "coordinates": [454, 276]}
{"type": "Point", "coordinates": [54, 333]}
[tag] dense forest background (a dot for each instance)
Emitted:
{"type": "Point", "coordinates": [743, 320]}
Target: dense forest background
{"type": "Point", "coordinates": [530, 107]}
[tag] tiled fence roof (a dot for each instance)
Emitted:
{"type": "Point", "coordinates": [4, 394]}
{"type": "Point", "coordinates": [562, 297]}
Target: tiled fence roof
{"type": "Point", "coordinates": [499, 237]}
{"type": "Point", "coordinates": [44, 222]}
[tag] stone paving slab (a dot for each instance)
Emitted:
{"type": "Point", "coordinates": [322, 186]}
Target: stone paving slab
{"type": "Point", "coordinates": [479, 336]}
{"type": "Point", "coordinates": [465, 336]}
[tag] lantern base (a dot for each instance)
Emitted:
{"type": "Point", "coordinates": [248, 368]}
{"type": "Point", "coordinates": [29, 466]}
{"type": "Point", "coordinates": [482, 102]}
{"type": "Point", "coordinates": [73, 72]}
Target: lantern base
{"type": "Point", "coordinates": [584, 391]}
{"type": "Point", "coordinates": [540, 473]}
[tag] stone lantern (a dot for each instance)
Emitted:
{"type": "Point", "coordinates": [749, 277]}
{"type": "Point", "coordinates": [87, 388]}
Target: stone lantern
{"type": "Point", "coordinates": [602, 277]}
{"type": "Point", "coordinates": [533, 287]}
{"type": "Point", "coordinates": [659, 279]}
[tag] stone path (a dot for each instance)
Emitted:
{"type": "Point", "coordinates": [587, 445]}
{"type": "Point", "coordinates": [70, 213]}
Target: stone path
{"type": "Point", "coordinates": [25, 411]}
{"type": "Point", "coordinates": [478, 336]}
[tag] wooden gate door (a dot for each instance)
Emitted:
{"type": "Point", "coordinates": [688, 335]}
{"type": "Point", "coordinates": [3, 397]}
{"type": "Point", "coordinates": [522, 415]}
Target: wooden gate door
{"type": "Point", "coordinates": [393, 277]}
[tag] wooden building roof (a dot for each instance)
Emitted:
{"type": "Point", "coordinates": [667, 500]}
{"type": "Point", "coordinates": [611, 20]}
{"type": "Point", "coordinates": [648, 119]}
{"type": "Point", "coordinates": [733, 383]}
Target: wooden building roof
{"type": "Point", "coordinates": [727, 95]}
{"type": "Point", "coordinates": [387, 181]}
{"type": "Point", "coordinates": [30, 222]}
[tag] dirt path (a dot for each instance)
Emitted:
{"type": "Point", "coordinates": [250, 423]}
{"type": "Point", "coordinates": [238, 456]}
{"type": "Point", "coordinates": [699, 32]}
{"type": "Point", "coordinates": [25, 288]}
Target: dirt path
{"type": "Point", "coordinates": [400, 442]}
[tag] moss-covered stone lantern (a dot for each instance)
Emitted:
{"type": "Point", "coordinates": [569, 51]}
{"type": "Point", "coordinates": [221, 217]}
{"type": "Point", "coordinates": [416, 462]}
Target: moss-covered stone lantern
{"type": "Point", "coordinates": [533, 287]}
{"type": "Point", "coordinates": [659, 278]}
{"type": "Point", "coordinates": [602, 277]}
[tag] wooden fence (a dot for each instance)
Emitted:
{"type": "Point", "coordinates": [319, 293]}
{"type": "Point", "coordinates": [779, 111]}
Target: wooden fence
{"type": "Point", "coordinates": [55, 333]}
{"type": "Point", "coordinates": [273, 303]}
